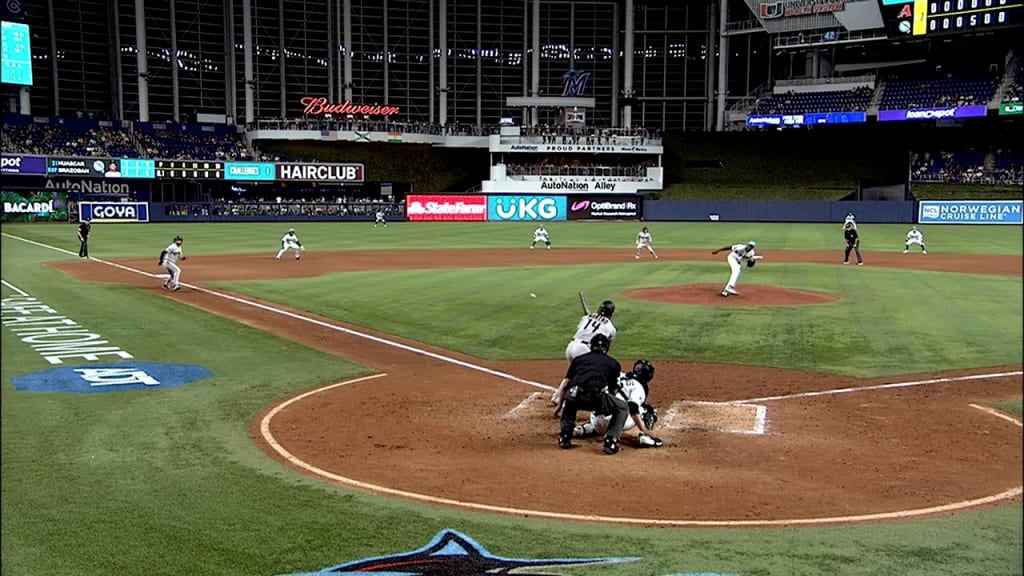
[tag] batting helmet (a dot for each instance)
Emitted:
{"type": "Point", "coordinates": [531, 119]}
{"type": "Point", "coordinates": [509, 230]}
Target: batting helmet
{"type": "Point", "coordinates": [643, 371]}
{"type": "Point", "coordinates": [600, 343]}
{"type": "Point", "coordinates": [606, 309]}
{"type": "Point", "coordinates": [178, 238]}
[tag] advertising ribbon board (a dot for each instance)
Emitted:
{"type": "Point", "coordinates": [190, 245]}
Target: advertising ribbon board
{"type": "Point", "coordinates": [605, 207]}
{"type": "Point", "coordinates": [969, 212]}
{"type": "Point", "coordinates": [34, 206]}
{"type": "Point", "coordinates": [114, 211]}
{"type": "Point", "coordinates": [425, 207]}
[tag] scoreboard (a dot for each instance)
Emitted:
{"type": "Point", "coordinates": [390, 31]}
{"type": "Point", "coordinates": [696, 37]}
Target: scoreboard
{"type": "Point", "coordinates": [189, 169]}
{"type": "Point", "coordinates": [923, 18]}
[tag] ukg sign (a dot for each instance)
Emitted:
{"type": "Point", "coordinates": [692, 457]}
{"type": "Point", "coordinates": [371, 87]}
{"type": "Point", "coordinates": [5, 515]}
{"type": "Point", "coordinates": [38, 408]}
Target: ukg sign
{"type": "Point", "coordinates": [420, 207]}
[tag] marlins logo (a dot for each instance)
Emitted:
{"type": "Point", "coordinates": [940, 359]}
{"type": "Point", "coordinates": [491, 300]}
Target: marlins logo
{"type": "Point", "coordinates": [574, 82]}
{"type": "Point", "coordinates": [453, 554]}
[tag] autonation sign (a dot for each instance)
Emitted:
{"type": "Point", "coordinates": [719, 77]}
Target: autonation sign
{"type": "Point", "coordinates": [969, 212]}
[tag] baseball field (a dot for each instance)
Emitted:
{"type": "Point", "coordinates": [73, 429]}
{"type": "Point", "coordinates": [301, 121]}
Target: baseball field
{"type": "Point", "coordinates": [380, 406]}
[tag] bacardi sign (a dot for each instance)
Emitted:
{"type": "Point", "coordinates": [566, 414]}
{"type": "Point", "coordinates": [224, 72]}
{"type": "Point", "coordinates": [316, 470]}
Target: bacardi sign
{"type": "Point", "coordinates": [316, 105]}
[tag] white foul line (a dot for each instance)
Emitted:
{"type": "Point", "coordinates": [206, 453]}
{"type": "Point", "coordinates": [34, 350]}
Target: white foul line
{"type": "Point", "coordinates": [320, 323]}
{"type": "Point", "coordinates": [265, 430]}
{"type": "Point", "coordinates": [14, 288]}
{"type": "Point", "coordinates": [835, 391]}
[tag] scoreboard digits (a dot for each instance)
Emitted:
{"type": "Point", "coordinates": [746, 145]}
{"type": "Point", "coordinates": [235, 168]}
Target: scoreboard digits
{"type": "Point", "coordinates": [190, 169]}
{"type": "Point", "coordinates": [926, 17]}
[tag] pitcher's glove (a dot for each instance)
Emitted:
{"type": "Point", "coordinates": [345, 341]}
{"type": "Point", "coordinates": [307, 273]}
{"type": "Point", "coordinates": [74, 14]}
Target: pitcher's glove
{"type": "Point", "coordinates": [650, 416]}
{"type": "Point", "coordinates": [750, 263]}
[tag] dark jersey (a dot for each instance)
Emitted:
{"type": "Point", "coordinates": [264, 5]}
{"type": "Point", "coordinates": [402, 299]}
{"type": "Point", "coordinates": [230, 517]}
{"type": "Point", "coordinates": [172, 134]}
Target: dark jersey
{"type": "Point", "coordinates": [83, 230]}
{"type": "Point", "coordinates": [851, 236]}
{"type": "Point", "coordinates": [593, 371]}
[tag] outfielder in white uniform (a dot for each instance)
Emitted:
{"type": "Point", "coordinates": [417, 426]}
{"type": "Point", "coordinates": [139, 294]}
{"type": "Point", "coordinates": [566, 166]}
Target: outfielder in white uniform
{"type": "Point", "coordinates": [634, 389]}
{"type": "Point", "coordinates": [599, 322]}
{"type": "Point", "coordinates": [541, 235]}
{"type": "Point", "coordinates": [738, 253]}
{"type": "Point", "coordinates": [290, 242]}
{"type": "Point", "coordinates": [379, 219]}
{"type": "Point", "coordinates": [914, 237]}
{"type": "Point", "coordinates": [169, 259]}
{"type": "Point", "coordinates": [643, 241]}
{"type": "Point", "coordinates": [851, 219]}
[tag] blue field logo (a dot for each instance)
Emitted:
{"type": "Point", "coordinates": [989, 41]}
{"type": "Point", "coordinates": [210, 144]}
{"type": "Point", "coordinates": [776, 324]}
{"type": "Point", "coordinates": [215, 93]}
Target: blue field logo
{"type": "Point", "coordinates": [452, 553]}
{"type": "Point", "coordinates": [120, 377]}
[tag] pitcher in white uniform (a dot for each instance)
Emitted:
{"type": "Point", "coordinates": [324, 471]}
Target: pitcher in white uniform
{"type": "Point", "coordinates": [738, 253]}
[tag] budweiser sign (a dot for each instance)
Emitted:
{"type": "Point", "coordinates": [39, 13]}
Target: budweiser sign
{"type": "Point", "coordinates": [314, 105]}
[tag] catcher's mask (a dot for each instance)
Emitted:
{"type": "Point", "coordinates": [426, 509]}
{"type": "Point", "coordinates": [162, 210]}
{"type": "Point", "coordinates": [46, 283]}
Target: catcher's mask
{"type": "Point", "coordinates": [600, 343]}
{"type": "Point", "coordinates": [643, 371]}
{"type": "Point", "coordinates": [606, 309]}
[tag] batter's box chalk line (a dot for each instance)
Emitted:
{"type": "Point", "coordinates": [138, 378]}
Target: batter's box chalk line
{"type": "Point", "coordinates": [726, 417]}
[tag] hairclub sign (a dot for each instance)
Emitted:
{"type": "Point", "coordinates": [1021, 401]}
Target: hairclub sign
{"type": "Point", "coordinates": [317, 105]}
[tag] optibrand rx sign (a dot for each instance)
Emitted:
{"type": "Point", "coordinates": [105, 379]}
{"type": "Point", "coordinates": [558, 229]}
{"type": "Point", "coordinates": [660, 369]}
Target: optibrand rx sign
{"type": "Point", "coordinates": [516, 208]}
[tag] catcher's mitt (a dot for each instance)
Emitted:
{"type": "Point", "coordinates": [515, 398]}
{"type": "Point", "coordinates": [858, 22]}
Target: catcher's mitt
{"type": "Point", "coordinates": [650, 416]}
{"type": "Point", "coordinates": [750, 263]}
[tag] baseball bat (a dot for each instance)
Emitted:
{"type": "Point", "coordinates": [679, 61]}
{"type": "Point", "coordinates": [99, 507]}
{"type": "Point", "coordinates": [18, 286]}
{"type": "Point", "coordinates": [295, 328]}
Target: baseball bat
{"type": "Point", "coordinates": [583, 302]}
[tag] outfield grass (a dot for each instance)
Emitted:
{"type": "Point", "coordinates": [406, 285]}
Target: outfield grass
{"type": "Point", "coordinates": [168, 481]}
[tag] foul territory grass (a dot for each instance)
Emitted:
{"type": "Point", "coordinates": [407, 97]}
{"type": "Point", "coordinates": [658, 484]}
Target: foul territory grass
{"type": "Point", "coordinates": [168, 482]}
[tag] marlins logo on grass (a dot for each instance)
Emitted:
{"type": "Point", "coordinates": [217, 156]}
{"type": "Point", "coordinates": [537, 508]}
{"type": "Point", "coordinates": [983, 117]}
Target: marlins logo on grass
{"type": "Point", "coordinates": [453, 554]}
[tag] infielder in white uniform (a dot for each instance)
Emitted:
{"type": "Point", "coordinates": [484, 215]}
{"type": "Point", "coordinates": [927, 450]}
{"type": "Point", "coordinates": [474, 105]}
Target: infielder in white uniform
{"type": "Point", "coordinates": [851, 219]}
{"type": "Point", "coordinates": [643, 241]}
{"type": "Point", "coordinates": [541, 235]}
{"type": "Point", "coordinates": [169, 259]}
{"type": "Point", "coordinates": [290, 242]}
{"type": "Point", "coordinates": [633, 388]}
{"type": "Point", "coordinates": [737, 254]}
{"type": "Point", "coordinates": [914, 237]}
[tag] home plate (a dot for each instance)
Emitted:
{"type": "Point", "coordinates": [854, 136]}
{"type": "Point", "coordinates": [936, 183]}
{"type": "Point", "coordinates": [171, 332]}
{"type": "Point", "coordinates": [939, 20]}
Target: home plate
{"type": "Point", "coordinates": [715, 417]}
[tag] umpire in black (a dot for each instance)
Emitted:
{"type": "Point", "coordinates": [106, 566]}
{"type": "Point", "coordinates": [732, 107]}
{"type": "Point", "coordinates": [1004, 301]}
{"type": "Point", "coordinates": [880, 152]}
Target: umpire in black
{"type": "Point", "coordinates": [84, 229]}
{"type": "Point", "coordinates": [589, 384]}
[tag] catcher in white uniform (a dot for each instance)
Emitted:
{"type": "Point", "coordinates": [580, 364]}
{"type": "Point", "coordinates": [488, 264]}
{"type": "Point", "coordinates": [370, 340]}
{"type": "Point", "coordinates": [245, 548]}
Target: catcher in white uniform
{"type": "Point", "coordinates": [169, 259]}
{"type": "Point", "coordinates": [633, 388]}
{"type": "Point", "coordinates": [643, 242]}
{"type": "Point", "coordinates": [290, 242]}
{"type": "Point", "coordinates": [738, 253]}
{"type": "Point", "coordinates": [914, 237]}
{"type": "Point", "coordinates": [541, 235]}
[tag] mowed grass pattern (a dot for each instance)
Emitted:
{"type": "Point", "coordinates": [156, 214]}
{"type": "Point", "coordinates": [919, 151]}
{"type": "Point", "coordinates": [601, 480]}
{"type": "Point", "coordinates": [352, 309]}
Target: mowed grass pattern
{"type": "Point", "coordinates": [168, 482]}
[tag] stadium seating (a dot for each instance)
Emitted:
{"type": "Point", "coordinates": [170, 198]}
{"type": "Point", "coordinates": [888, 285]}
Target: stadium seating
{"type": "Point", "coordinates": [905, 94]}
{"type": "Point", "coordinates": [855, 100]}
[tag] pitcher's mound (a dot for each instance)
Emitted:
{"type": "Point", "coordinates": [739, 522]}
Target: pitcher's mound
{"type": "Point", "coordinates": [749, 295]}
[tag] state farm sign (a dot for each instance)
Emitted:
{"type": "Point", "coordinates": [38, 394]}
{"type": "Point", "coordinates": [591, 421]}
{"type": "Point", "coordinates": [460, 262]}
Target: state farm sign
{"type": "Point", "coordinates": [421, 207]}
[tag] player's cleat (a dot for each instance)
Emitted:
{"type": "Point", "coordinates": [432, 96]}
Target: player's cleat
{"type": "Point", "coordinates": [649, 441]}
{"type": "Point", "coordinates": [731, 290]}
{"type": "Point", "coordinates": [531, 247]}
{"type": "Point", "coordinates": [860, 263]}
{"type": "Point", "coordinates": [906, 251]}
{"type": "Point", "coordinates": [564, 441]}
{"type": "Point", "coordinates": [176, 288]}
{"type": "Point", "coordinates": [924, 252]}
{"type": "Point", "coordinates": [611, 445]}
{"type": "Point", "coordinates": [845, 262]}
{"type": "Point", "coordinates": [637, 257]}
{"type": "Point", "coordinates": [724, 293]}
{"type": "Point", "coordinates": [549, 247]}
